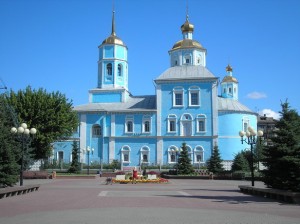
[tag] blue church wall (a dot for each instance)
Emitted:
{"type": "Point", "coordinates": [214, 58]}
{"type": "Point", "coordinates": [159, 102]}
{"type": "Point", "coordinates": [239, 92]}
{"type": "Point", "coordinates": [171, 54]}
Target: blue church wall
{"type": "Point", "coordinates": [120, 121]}
{"type": "Point", "coordinates": [229, 147]}
{"type": "Point", "coordinates": [107, 97]}
{"type": "Point", "coordinates": [135, 144]}
{"type": "Point", "coordinates": [121, 52]}
{"type": "Point", "coordinates": [204, 107]}
{"type": "Point", "coordinates": [62, 151]}
{"type": "Point", "coordinates": [229, 126]}
{"type": "Point", "coordinates": [104, 151]}
{"type": "Point", "coordinates": [192, 143]}
{"type": "Point", "coordinates": [108, 52]}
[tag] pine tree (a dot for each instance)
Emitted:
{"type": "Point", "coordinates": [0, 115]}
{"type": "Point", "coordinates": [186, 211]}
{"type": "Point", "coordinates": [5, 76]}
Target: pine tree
{"type": "Point", "coordinates": [214, 163]}
{"type": "Point", "coordinates": [240, 163]}
{"type": "Point", "coordinates": [184, 162]}
{"type": "Point", "coordinates": [75, 165]}
{"type": "Point", "coordinates": [9, 169]}
{"type": "Point", "coordinates": [282, 158]}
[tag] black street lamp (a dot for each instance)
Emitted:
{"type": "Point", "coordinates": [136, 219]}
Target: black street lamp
{"type": "Point", "coordinates": [251, 140]}
{"type": "Point", "coordinates": [88, 152]}
{"type": "Point", "coordinates": [23, 137]}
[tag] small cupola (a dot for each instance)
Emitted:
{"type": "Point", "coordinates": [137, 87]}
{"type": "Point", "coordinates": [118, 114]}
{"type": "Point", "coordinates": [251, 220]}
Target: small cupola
{"type": "Point", "coordinates": [229, 85]}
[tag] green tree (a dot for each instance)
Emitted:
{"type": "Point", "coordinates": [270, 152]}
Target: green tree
{"type": "Point", "coordinates": [9, 169]}
{"type": "Point", "coordinates": [214, 163]}
{"type": "Point", "coordinates": [50, 113]}
{"type": "Point", "coordinates": [240, 163]}
{"type": "Point", "coordinates": [282, 158]}
{"type": "Point", "coordinates": [184, 165]}
{"type": "Point", "coordinates": [75, 164]}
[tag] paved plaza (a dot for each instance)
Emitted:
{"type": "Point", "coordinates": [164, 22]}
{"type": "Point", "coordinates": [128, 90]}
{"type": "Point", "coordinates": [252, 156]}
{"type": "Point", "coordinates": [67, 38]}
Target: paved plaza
{"type": "Point", "coordinates": [179, 201]}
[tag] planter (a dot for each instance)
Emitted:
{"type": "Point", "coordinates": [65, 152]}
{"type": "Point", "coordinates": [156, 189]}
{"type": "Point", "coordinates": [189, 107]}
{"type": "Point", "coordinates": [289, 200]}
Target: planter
{"type": "Point", "coordinates": [120, 177]}
{"type": "Point", "coordinates": [151, 177]}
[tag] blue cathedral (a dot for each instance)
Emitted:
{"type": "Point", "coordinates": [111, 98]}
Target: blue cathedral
{"type": "Point", "coordinates": [150, 129]}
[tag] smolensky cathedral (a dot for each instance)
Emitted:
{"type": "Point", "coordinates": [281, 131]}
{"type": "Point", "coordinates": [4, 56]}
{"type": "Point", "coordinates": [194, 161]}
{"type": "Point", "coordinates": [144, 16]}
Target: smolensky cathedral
{"type": "Point", "coordinates": [150, 129]}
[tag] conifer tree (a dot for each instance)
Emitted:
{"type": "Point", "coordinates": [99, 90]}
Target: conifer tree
{"type": "Point", "coordinates": [75, 165]}
{"type": "Point", "coordinates": [240, 163]}
{"type": "Point", "coordinates": [9, 169]}
{"type": "Point", "coordinates": [282, 158]}
{"type": "Point", "coordinates": [214, 163]}
{"type": "Point", "coordinates": [184, 165]}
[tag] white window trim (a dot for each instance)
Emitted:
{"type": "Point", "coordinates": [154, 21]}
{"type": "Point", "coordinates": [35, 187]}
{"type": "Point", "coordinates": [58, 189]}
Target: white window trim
{"type": "Point", "coordinates": [178, 90]}
{"type": "Point", "coordinates": [198, 118]}
{"type": "Point", "coordinates": [171, 151]}
{"type": "Point", "coordinates": [147, 118]}
{"type": "Point", "coordinates": [199, 150]}
{"type": "Point", "coordinates": [129, 118]}
{"type": "Point", "coordinates": [96, 126]}
{"type": "Point", "coordinates": [187, 56]}
{"type": "Point", "coordinates": [145, 150]}
{"type": "Point", "coordinates": [182, 120]}
{"type": "Point", "coordinates": [246, 121]}
{"type": "Point", "coordinates": [125, 150]}
{"type": "Point", "coordinates": [194, 89]}
{"type": "Point", "coordinates": [171, 117]}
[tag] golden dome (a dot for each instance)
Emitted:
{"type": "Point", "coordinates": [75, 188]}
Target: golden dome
{"type": "Point", "coordinates": [229, 78]}
{"type": "Point", "coordinates": [113, 39]}
{"type": "Point", "coordinates": [186, 43]}
{"type": "Point", "coordinates": [187, 27]}
{"type": "Point", "coordinates": [228, 68]}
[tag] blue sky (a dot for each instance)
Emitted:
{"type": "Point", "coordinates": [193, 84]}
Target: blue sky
{"type": "Point", "coordinates": [53, 44]}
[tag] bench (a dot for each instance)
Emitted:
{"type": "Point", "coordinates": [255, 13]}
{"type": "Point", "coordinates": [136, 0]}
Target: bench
{"type": "Point", "coordinates": [280, 195]}
{"type": "Point", "coordinates": [13, 191]}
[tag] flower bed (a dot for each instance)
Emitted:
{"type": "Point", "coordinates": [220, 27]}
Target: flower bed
{"type": "Point", "coordinates": [156, 181]}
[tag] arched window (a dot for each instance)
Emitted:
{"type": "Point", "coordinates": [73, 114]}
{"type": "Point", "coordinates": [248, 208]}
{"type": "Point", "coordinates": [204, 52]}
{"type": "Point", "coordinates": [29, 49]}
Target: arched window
{"type": "Point", "coordinates": [146, 124]}
{"type": "Point", "coordinates": [246, 122]}
{"type": "Point", "coordinates": [145, 153]}
{"type": "Point", "coordinates": [125, 154]}
{"type": "Point", "coordinates": [172, 123]}
{"type": "Point", "coordinates": [109, 69]}
{"type": "Point", "coordinates": [119, 70]}
{"type": "Point", "coordinates": [186, 125]}
{"type": "Point", "coordinates": [201, 123]}
{"type": "Point", "coordinates": [199, 154]}
{"type": "Point", "coordinates": [129, 124]}
{"type": "Point", "coordinates": [173, 154]}
{"type": "Point", "coordinates": [194, 96]}
{"type": "Point", "coordinates": [96, 130]}
{"type": "Point", "coordinates": [187, 59]}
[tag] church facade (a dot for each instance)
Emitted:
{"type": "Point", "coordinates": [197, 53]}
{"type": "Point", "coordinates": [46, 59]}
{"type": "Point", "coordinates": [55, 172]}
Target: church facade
{"type": "Point", "coordinates": [149, 130]}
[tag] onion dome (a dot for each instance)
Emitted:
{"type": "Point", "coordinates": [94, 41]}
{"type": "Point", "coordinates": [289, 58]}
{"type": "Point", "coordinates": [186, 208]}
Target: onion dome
{"type": "Point", "coordinates": [228, 68]}
{"type": "Point", "coordinates": [187, 27]}
{"type": "Point", "coordinates": [113, 39]}
{"type": "Point", "coordinates": [229, 77]}
{"type": "Point", "coordinates": [187, 43]}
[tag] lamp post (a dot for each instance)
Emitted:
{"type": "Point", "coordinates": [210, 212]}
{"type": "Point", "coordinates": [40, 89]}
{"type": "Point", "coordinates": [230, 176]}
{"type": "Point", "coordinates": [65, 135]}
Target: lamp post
{"type": "Point", "coordinates": [88, 152]}
{"type": "Point", "coordinates": [251, 139]}
{"type": "Point", "coordinates": [23, 135]}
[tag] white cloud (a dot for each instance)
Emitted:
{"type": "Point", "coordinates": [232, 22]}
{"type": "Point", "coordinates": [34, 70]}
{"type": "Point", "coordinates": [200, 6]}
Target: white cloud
{"type": "Point", "coordinates": [269, 113]}
{"type": "Point", "coordinates": [256, 95]}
